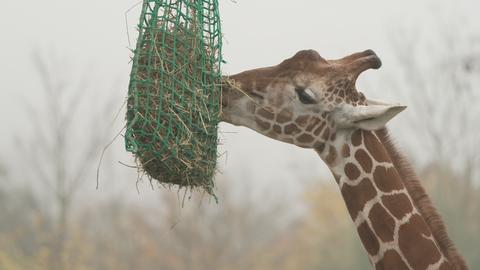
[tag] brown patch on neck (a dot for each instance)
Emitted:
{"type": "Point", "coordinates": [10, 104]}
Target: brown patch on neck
{"type": "Point", "coordinates": [351, 171]}
{"type": "Point", "coordinates": [345, 151]}
{"type": "Point", "coordinates": [357, 196]}
{"type": "Point", "coordinates": [332, 155]}
{"type": "Point", "coordinates": [374, 147]}
{"type": "Point", "coordinates": [399, 205]}
{"type": "Point", "coordinates": [368, 238]}
{"type": "Point", "coordinates": [391, 258]}
{"type": "Point", "coordinates": [422, 202]}
{"type": "Point", "coordinates": [383, 224]}
{"type": "Point", "coordinates": [357, 137]}
{"type": "Point", "coordinates": [387, 180]}
{"type": "Point", "coordinates": [364, 159]}
{"type": "Point", "coordinates": [419, 251]}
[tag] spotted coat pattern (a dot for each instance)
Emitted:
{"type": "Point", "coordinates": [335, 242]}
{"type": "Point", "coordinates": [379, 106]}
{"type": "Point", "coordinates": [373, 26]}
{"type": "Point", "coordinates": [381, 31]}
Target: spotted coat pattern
{"type": "Point", "coordinates": [394, 233]}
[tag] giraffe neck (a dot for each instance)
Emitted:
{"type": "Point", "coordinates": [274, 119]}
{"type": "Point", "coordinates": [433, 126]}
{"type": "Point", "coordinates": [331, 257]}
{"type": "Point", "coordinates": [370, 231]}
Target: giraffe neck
{"type": "Point", "coordinates": [392, 230]}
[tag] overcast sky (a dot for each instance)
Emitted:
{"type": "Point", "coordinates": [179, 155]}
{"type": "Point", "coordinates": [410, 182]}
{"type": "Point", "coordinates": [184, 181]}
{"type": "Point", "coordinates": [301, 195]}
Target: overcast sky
{"type": "Point", "coordinates": [92, 35]}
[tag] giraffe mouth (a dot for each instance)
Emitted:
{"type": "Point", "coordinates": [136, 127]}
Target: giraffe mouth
{"type": "Point", "coordinates": [363, 120]}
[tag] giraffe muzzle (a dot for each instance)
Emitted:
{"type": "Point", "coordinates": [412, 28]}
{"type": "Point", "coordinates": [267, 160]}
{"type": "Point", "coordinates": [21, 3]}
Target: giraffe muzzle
{"type": "Point", "coordinates": [369, 60]}
{"type": "Point", "coordinates": [365, 61]}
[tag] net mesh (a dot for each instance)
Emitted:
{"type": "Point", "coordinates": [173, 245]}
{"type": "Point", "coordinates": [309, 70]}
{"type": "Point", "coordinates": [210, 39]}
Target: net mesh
{"type": "Point", "coordinates": [174, 95]}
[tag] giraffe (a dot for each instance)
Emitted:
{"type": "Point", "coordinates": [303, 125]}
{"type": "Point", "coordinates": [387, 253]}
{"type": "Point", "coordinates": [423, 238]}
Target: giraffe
{"type": "Point", "coordinates": [313, 103]}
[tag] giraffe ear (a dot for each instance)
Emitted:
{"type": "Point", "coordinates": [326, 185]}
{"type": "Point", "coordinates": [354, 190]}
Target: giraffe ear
{"type": "Point", "coordinates": [371, 117]}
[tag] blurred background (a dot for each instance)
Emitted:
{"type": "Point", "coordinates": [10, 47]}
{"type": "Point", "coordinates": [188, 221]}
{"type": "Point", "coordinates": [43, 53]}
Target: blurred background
{"type": "Point", "coordinates": [64, 78]}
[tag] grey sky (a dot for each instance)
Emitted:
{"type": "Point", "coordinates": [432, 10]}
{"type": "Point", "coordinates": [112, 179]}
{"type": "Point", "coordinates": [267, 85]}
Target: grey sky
{"type": "Point", "coordinates": [92, 36]}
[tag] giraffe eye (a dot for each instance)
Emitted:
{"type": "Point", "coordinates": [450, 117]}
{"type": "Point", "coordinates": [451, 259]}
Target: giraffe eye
{"type": "Point", "coordinates": [306, 96]}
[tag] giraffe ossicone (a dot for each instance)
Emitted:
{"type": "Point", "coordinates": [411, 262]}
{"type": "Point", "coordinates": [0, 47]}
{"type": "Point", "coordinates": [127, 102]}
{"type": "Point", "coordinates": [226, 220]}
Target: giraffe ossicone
{"type": "Point", "coordinates": [312, 102]}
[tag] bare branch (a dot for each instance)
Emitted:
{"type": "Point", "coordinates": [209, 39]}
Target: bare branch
{"type": "Point", "coordinates": [439, 83]}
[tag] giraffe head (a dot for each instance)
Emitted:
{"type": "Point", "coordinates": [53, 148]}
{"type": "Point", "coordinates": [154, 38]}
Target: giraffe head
{"type": "Point", "coordinates": [305, 100]}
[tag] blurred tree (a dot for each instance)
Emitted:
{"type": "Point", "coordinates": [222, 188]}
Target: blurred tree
{"type": "Point", "coordinates": [24, 229]}
{"type": "Point", "coordinates": [231, 235]}
{"type": "Point", "coordinates": [446, 188]}
{"type": "Point", "coordinates": [64, 142]}
{"type": "Point", "coordinates": [236, 234]}
{"type": "Point", "coordinates": [438, 74]}
{"type": "Point", "coordinates": [243, 232]}
{"type": "Point", "coordinates": [326, 238]}
{"type": "Point", "coordinates": [3, 172]}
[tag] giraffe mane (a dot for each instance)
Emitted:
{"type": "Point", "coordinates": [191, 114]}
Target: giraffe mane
{"type": "Point", "coordinates": [422, 201]}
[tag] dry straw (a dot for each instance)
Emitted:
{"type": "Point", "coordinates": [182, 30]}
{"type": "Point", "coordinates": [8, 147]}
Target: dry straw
{"type": "Point", "coordinates": [174, 95]}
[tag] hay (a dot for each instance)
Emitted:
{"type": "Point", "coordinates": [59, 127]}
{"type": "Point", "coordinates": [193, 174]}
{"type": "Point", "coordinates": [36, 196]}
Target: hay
{"type": "Point", "coordinates": [174, 99]}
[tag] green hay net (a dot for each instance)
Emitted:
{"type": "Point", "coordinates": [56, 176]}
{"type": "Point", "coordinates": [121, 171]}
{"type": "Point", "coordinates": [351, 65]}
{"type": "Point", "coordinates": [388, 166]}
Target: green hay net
{"type": "Point", "coordinates": [174, 94]}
